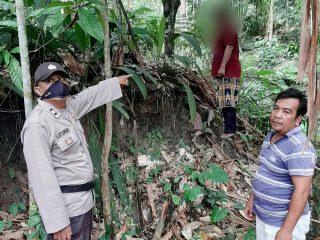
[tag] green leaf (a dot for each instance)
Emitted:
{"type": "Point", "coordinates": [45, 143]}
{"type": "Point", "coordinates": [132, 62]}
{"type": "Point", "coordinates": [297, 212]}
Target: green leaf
{"type": "Point", "coordinates": [34, 220]}
{"type": "Point", "coordinates": [265, 72]}
{"type": "Point", "coordinates": [53, 24]}
{"type": "Point", "coordinates": [191, 102]}
{"type": "Point", "coordinates": [140, 30]}
{"type": "Point", "coordinates": [13, 209]}
{"type": "Point", "coordinates": [167, 187]}
{"type": "Point", "coordinates": [175, 199]}
{"type": "Point", "coordinates": [52, 10]}
{"type": "Point", "coordinates": [148, 75]}
{"type": "Point", "coordinates": [2, 225]}
{"type": "Point", "coordinates": [5, 38]}
{"type": "Point", "coordinates": [42, 233]}
{"type": "Point", "coordinates": [6, 56]}
{"type": "Point", "coordinates": [137, 79]}
{"type": "Point", "coordinates": [15, 50]}
{"type": "Point", "coordinates": [216, 174]}
{"type": "Point", "coordinates": [120, 182]}
{"type": "Point", "coordinates": [8, 24]}
{"type": "Point", "coordinates": [34, 234]}
{"type": "Point", "coordinates": [60, 4]}
{"type": "Point", "coordinates": [217, 214]}
{"type": "Point", "coordinates": [22, 206]}
{"type": "Point", "coordinates": [8, 85]}
{"type": "Point", "coordinates": [184, 60]}
{"type": "Point", "coordinates": [143, 34]}
{"type": "Point", "coordinates": [81, 37]}
{"type": "Point", "coordinates": [12, 173]}
{"type": "Point", "coordinates": [191, 194]}
{"type": "Point", "coordinates": [119, 106]}
{"type": "Point", "coordinates": [147, 39]}
{"type": "Point", "coordinates": [90, 24]}
{"type": "Point", "coordinates": [15, 73]}
{"type": "Point", "coordinates": [192, 41]}
{"type": "Point", "coordinates": [161, 35]}
{"type": "Point", "coordinates": [239, 206]}
{"type": "Point", "coordinates": [250, 234]}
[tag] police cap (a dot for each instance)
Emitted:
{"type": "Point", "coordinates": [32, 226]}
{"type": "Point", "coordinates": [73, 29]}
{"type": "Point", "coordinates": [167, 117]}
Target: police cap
{"type": "Point", "coordinates": [46, 69]}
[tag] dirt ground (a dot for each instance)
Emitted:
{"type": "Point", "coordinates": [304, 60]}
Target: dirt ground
{"type": "Point", "coordinates": [12, 164]}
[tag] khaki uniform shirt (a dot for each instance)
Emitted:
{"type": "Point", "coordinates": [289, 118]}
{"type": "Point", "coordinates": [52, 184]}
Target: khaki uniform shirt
{"type": "Point", "coordinates": [56, 152]}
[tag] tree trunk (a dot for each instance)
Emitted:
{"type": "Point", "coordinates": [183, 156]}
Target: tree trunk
{"type": "Point", "coordinates": [312, 72]}
{"type": "Point", "coordinates": [25, 68]}
{"type": "Point", "coordinates": [270, 22]}
{"type": "Point", "coordinates": [24, 57]}
{"type": "Point", "coordinates": [130, 4]}
{"type": "Point", "coordinates": [183, 15]}
{"type": "Point", "coordinates": [108, 128]}
{"type": "Point", "coordinates": [170, 8]}
{"type": "Point", "coordinates": [183, 9]}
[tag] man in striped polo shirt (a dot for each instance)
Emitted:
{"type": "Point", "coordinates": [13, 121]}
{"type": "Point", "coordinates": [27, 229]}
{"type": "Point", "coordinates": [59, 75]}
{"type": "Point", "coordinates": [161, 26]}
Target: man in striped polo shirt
{"type": "Point", "coordinates": [282, 184]}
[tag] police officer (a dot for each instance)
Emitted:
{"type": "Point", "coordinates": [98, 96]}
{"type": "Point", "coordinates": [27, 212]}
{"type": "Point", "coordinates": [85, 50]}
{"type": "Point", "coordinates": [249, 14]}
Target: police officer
{"type": "Point", "coordinates": [59, 166]}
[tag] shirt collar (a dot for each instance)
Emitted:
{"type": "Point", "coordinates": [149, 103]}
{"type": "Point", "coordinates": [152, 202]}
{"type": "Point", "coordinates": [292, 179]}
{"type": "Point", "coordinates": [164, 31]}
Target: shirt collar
{"type": "Point", "coordinates": [293, 131]}
{"type": "Point", "coordinates": [48, 107]}
{"type": "Point", "coordinates": [288, 134]}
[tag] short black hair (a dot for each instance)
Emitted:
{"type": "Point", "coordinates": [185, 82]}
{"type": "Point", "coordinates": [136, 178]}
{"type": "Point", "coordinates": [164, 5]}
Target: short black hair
{"type": "Point", "coordinates": [295, 93]}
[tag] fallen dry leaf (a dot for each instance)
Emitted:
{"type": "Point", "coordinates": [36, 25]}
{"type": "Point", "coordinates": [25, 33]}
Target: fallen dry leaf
{"type": "Point", "coordinates": [168, 236]}
{"type": "Point", "coordinates": [4, 215]}
{"type": "Point", "coordinates": [187, 230]}
{"type": "Point", "coordinates": [9, 235]}
{"type": "Point", "coordinates": [123, 229]}
{"type": "Point", "coordinates": [150, 191]}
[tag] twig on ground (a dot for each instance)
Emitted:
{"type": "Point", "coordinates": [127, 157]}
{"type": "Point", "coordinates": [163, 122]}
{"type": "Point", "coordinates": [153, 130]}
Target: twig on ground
{"type": "Point", "coordinates": [160, 225]}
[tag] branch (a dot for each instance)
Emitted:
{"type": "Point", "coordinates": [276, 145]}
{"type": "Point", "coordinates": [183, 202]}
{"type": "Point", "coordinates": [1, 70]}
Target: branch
{"type": "Point", "coordinates": [160, 225]}
{"type": "Point", "coordinates": [136, 47]}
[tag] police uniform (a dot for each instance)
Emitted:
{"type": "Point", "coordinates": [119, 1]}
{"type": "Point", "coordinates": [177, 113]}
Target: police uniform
{"type": "Point", "coordinates": [56, 153]}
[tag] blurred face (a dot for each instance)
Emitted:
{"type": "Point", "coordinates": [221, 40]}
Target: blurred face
{"type": "Point", "coordinates": [42, 86]}
{"type": "Point", "coordinates": [283, 116]}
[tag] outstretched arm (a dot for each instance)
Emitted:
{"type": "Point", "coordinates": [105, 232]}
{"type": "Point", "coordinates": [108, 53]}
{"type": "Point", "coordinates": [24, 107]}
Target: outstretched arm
{"type": "Point", "coordinates": [95, 96]}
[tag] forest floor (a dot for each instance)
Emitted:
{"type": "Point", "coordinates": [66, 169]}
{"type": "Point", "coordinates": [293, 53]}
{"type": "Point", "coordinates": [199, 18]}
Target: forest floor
{"type": "Point", "coordinates": [170, 178]}
{"type": "Point", "coordinates": [173, 168]}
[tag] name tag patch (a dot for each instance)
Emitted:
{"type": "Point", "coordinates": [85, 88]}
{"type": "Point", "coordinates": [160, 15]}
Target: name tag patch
{"type": "Point", "coordinates": [62, 133]}
{"type": "Point", "coordinates": [69, 141]}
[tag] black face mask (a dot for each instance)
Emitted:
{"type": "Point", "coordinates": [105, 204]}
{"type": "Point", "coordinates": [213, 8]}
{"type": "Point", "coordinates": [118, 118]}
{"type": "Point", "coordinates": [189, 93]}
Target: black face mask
{"type": "Point", "coordinates": [57, 89]}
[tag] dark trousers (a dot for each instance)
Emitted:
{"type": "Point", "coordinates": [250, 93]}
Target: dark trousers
{"type": "Point", "coordinates": [230, 119]}
{"type": "Point", "coordinates": [81, 227]}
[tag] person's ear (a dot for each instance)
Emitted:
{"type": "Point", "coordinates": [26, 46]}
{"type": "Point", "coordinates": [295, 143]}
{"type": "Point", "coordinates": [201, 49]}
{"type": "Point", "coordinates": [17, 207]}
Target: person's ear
{"type": "Point", "coordinates": [298, 120]}
{"type": "Point", "coordinates": [37, 90]}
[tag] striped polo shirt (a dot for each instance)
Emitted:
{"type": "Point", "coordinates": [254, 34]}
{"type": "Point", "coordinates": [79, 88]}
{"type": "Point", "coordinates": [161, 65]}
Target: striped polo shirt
{"type": "Point", "coordinates": [292, 155]}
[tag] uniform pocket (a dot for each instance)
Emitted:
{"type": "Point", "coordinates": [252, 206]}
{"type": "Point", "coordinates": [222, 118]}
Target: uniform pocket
{"type": "Point", "coordinates": [66, 141]}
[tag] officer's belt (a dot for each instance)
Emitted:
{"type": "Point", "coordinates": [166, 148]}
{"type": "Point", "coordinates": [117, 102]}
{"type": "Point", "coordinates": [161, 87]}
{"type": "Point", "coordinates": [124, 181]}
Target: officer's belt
{"type": "Point", "coordinates": [77, 188]}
